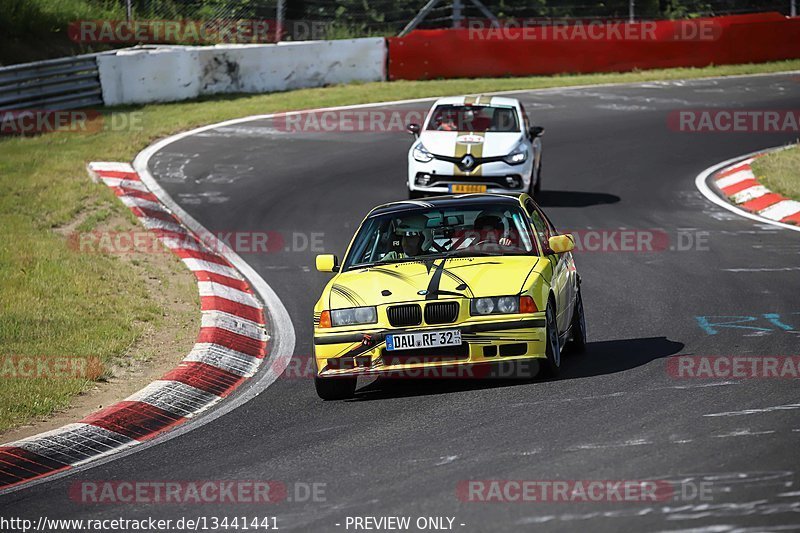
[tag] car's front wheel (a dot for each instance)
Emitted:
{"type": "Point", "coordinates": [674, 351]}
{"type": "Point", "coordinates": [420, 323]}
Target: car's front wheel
{"type": "Point", "coordinates": [536, 180]}
{"type": "Point", "coordinates": [335, 388]}
{"type": "Point", "coordinates": [413, 195]}
{"type": "Point", "coordinates": [552, 364]}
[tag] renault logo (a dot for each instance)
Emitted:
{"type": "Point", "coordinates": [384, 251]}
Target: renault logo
{"type": "Point", "coordinates": [467, 161]}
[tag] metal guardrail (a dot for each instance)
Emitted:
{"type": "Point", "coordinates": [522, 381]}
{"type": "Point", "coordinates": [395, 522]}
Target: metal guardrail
{"type": "Point", "coordinates": [65, 83]}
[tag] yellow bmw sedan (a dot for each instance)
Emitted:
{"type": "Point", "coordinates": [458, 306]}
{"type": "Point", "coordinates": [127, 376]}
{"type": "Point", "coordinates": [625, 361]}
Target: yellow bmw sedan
{"type": "Point", "coordinates": [443, 283]}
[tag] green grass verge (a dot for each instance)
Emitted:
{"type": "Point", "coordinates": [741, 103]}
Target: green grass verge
{"type": "Point", "coordinates": [55, 301]}
{"type": "Point", "coordinates": [780, 172]}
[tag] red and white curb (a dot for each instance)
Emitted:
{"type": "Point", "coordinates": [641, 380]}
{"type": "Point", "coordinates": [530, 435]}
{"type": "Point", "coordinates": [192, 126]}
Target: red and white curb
{"type": "Point", "coordinates": [738, 183]}
{"type": "Point", "coordinates": [230, 348]}
{"type": "Point", "coordinates": [733, 185]}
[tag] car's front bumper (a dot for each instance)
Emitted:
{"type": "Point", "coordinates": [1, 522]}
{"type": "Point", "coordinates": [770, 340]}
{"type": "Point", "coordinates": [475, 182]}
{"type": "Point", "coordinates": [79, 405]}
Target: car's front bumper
{"type": "Point", "coordinates": [439, 176]}
{"type": "Point", "coordinates": [483, 342]}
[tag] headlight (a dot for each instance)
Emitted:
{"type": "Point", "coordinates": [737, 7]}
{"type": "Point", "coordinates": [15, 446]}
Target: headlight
{"type": "Point", "coordinates": [356, 315]}
{"type": "Point", "coordinates": [518, 156]}
{"type": "Point", "coordinates": [482, 306]}
{"type": "Point", "coordinates": [500, 305]}
{"type": "Point", "coordinates": [421, 154]}
{"type": "Point", "coordinates": [507, 304]}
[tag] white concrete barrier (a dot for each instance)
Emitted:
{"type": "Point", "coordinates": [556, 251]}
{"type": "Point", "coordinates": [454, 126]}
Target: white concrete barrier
{"type": "Point", "coordinates": [173, 73]}
{"type": "Point", "coordinates": [143, 76]}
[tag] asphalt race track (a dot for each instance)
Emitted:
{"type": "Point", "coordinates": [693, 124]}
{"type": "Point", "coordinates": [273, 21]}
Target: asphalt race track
{"type": "Point", "coordinates": [610, 162]}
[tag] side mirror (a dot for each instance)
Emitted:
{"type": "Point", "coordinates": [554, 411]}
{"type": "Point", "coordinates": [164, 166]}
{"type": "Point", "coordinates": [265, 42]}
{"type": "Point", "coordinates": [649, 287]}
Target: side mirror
{"type": "Point", "coordinates": [561, 243]}
{"type": "Point", "coordinates": [536, 131]}
{"type": "Point", "coordinates": [414, 129]}
{"type": "Point", "coordinates": [327, 263]}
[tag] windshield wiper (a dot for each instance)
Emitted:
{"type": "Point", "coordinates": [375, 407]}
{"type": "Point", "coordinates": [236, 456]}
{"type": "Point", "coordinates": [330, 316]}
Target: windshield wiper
{"type": "Point", "coordinates": [416, 259]}
{"type": "Point", "coordinates": [429, 257]}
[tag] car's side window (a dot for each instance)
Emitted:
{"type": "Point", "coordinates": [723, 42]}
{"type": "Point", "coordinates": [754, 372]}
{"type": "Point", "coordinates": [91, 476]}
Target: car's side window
{"type": "Point", "coordinates": [539, 224]}
{"type": "Point", "coordinates": [549, 224]}
{"type": "Point", "coordinates": [541, 229]}
{"type": "Point", "coordinates": [525, 121]}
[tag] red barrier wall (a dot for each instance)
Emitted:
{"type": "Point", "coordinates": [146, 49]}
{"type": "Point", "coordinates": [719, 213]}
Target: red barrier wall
{"type": "Point", "coordinates": [522, 51]}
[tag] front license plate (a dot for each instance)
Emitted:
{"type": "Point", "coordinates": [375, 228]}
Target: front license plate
{"type": "Point", "coordinates": [426, 339]}
{"type": "Point", "coordinates": [467, 188]}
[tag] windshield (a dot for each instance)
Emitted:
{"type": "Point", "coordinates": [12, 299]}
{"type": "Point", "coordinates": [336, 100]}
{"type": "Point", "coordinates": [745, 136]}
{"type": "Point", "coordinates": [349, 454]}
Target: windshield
{"type": "Point", "coordinates": [461, 231]}
{"type": "Point", "coordinates": [474, 118]}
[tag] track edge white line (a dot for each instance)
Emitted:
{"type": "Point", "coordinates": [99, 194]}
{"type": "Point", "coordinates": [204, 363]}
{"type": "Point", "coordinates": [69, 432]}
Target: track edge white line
{"type": "Point", "coordinates": [701, 182]}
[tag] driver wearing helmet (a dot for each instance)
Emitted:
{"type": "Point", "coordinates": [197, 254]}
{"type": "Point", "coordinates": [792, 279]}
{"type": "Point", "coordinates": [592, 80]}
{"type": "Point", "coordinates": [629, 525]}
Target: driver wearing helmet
{"type": "Point", "coordinates": [415, 238]}
{"type": "Point", "coordinates": [489, 227]}
{"type": "Point", "coordinates": [447, 122]}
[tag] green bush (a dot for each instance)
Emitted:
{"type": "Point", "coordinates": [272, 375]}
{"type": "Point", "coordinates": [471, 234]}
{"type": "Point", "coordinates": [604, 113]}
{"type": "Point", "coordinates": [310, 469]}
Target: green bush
{"type": "Point", "coordinates": [34, 19]}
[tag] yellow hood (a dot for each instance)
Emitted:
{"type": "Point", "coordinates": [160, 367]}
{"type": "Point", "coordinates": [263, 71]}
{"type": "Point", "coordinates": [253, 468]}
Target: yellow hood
{"type": "Point", "coordinates": [440, 278]}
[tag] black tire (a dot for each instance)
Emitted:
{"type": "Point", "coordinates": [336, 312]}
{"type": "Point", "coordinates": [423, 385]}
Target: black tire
{"type": "Point", "coordinates": [552, 364]}
{"type": "Point", "coordinates": [537, 188]}
{"type": "Point", "coordinates": [578, 327]}
{"type": "Point", "coordinates": [335, 388]}
{"type": "Point", "coordinates": [414, 195]}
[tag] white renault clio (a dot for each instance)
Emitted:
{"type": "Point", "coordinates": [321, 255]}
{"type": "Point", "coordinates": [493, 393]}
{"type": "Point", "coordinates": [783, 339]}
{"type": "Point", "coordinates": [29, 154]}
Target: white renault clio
{"type": "Point", "coordinates": [475, 144]}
